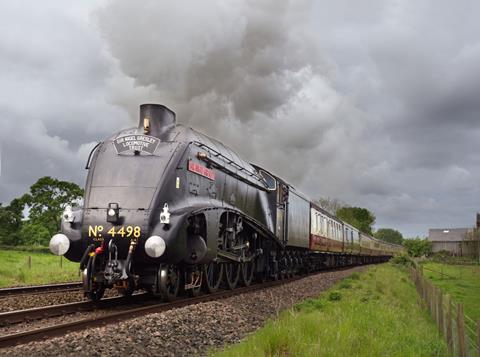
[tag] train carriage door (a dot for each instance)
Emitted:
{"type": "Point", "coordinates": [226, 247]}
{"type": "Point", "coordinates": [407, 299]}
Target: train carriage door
{"type": "Point", "coordinates": [282, 204]}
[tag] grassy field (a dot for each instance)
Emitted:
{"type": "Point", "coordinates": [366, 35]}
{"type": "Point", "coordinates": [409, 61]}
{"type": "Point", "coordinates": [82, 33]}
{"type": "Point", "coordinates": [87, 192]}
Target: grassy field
{"type": "Point", "coordinates": [376, 313]}
{"type": "Point", "coordinates": [45, 268]}
{"type": "Point", "coordinates": [461, 282]}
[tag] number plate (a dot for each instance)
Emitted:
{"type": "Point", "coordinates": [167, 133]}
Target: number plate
{"type": "Point", "coordinates": [100, 232]}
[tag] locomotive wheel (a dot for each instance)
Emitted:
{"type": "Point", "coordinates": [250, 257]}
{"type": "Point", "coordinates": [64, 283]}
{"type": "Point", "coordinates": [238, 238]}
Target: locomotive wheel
{"type": "Point", "coordinates": [93, 291]}
{"type": "Point", "coordinates": [168, 281]}
{"type": "Point", "coordinates": [232, 275]}
{"type": "Point", "coordinates": [96, 293]}
{"type": "Point", "coordinates": [213, 274]}
{"type": "Point", "coordinates": [247, 272]}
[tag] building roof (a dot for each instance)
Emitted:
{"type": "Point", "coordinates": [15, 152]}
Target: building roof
{"type": "Point", "coordinates": [447, 234]}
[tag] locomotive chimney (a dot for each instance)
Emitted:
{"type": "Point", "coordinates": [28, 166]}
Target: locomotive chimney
{"type": "Point", "coordinates": [156, 119]}
{"type": "Point", "coordinates": [478, 220]}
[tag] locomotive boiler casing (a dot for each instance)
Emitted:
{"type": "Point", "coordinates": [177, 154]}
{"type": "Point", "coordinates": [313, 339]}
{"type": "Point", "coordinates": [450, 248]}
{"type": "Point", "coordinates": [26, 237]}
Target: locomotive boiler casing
{"type": "Point", "coordinates": [142, 184]}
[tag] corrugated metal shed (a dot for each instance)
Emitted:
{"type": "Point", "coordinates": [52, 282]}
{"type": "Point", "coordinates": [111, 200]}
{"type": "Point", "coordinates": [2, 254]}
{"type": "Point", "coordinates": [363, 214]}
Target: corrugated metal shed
{"type": "Point", "coordinates": [447, 234]}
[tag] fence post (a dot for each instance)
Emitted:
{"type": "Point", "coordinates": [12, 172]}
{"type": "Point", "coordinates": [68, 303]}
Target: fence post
{"type": "Point", "coordinates": [449, 325]}
{"type": "Point", "coordinates": [29, 262]}
{"type": "Point", "coordinates": [432, 300]}
{"type": "Point", "coordinates": [440, 313]}
{"type": "Point", "coordinates": [460, 332]}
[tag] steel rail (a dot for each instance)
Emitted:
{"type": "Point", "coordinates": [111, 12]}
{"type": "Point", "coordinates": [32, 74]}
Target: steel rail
{"type": "Point", "coordinates": [40, 289]}
{"type": "Point", "coordinates": [37, 313]}
{"type": "Point", "coordinates": [98, 321]}
{"type": "Point", "coordinates": [64, 328]}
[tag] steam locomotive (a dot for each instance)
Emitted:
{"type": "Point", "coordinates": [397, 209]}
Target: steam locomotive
{"type": "Point", "coordinates": [170, 210]}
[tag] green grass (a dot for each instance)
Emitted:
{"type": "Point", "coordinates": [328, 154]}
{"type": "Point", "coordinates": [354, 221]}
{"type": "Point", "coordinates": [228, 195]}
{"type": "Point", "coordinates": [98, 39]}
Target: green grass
{"type": "Point", "coordinates": [375, 313]}
{"type": "Point", "coordinates": [45, 269]}
{"type": "Point", "coordinates": [461, 282]}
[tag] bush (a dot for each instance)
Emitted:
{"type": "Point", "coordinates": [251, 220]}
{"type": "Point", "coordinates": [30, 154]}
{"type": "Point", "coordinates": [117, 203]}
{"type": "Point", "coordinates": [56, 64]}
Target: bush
{"type": "Point", "coordinates": [402, 259]}
{"type": "Point", "coordinates": [334, 296]}
{"type": "Point", "coordinates": [418, 247]}
{"type": "Point", "coordinates": [355, 276]}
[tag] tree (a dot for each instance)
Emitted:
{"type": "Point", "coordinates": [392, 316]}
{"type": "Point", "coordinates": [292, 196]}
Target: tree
{"type": "Point", "coordinates": [360, 218]}
{"type": "Point", "coordinates": [10, 222]}
{"type": "Point", "coordinates": [389, 235]}
{"type": "Point", "coordinates": [47, 199]}
{"type": "Point", "coordinates": [417, 247]}
{"type": "Point", "coordinates": [331, 205]}
{"type": "Point", "coordinates": [34, 234]}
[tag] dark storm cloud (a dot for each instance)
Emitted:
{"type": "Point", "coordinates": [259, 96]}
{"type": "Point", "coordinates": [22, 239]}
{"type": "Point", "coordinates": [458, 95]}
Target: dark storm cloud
{"type": "Point", "coordinates": [374, 102]}
{"type": "Point", "coordinates": [53, 102]}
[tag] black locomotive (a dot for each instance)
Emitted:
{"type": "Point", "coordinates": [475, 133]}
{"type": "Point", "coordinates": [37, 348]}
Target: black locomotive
{"type": "Point", "coordinates": [168, 209]}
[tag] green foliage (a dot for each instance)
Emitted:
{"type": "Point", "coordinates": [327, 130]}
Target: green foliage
{"type": "Point", "coordinates": [418, 247]}
{"type": "Point", "coordinates": [34, 234]}
{"type": "Point", "coordinates": [345, 284]}
{"type": "Point", "coordinates": [379, 317]}
{"type": "Point", "coordinates": [10, 222]}
{"type": "Point", "coordinates": [334, 296]}
{"type": "Point", "coordinates": [360, 218]}
{"type": "Point", "coordinates": [402, 259]}
{"type": "Point", "coordinates": [355, 276]}
{"type": "Point", "coordinates": [26, 248]}
{"type": "Point", "coordinates": [461, 282]}
{"type": "Point", "coordinates": [45, 268]}
{"type": "Point", "coordinates": [46, 201]}
{"type": "Point", "coordinates": [389, 235]}
{"type": "Point", "coordinates": [48, 198]}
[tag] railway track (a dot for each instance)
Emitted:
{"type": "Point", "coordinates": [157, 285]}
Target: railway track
{"type": "Point", "coordinates": [148, 307]}
{"type": "Point", "coordinates": [39, 289]}
{"type": "Point", "coordinates": [14, 317]}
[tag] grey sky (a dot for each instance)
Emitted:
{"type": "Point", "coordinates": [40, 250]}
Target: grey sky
{"type": "Point", "coordinates": [374, 102]}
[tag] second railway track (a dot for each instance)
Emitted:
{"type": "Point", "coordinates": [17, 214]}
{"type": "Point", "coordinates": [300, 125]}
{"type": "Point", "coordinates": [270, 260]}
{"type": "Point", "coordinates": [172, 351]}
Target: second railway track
{"type": "Point", "coordinates": [148, 307]}
{"type": "Point", "coordinates": [40, 289]}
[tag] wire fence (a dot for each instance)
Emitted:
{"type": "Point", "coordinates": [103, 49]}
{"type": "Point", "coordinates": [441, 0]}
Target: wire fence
{"type": "Point", "coordinates": [461, 332]}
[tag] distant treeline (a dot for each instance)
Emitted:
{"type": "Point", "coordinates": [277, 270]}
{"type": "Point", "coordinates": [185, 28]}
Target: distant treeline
{"type": "Point", "coordinates": [44, 203]}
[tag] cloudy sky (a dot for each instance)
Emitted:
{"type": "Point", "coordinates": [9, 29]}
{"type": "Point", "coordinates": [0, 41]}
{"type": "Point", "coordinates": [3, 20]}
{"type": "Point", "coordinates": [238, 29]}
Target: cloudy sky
{"type": "Point", "coordinates": [375, 103]}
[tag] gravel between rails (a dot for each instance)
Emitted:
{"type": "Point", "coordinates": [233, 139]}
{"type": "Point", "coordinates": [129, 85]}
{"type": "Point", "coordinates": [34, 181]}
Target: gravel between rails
{"type": "Point", "coordinates": [21, 302]}
{"type": "Point", "coordinates": [191, 330]}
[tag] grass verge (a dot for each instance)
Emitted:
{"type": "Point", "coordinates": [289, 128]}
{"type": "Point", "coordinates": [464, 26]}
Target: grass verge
{"type": "Point", "coordinates": [44, 269]}
{"type": "Point", "coordinates": [375, 313]}
{"type": "Point", "coordinates": [461, 282]}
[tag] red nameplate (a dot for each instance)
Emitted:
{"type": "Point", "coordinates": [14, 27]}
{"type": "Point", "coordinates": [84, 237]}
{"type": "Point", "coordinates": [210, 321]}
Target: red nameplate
{"type": "Point", "coordinates": [201, 170]}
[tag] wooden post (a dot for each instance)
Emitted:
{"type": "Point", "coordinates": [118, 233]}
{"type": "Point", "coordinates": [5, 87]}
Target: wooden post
{"type": "Point", "coordinates": [449, 325]}
{"type": "Point", "coordinates": [462, 350]}
{"type": "Point", "coordinates": [441, 316]}
{"type": "Point", "coordinates": [29, 262]}
{"type": "Point", "coordinates": [61, 262]}
{"type": "Point", "coordinates": [432, 300]}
